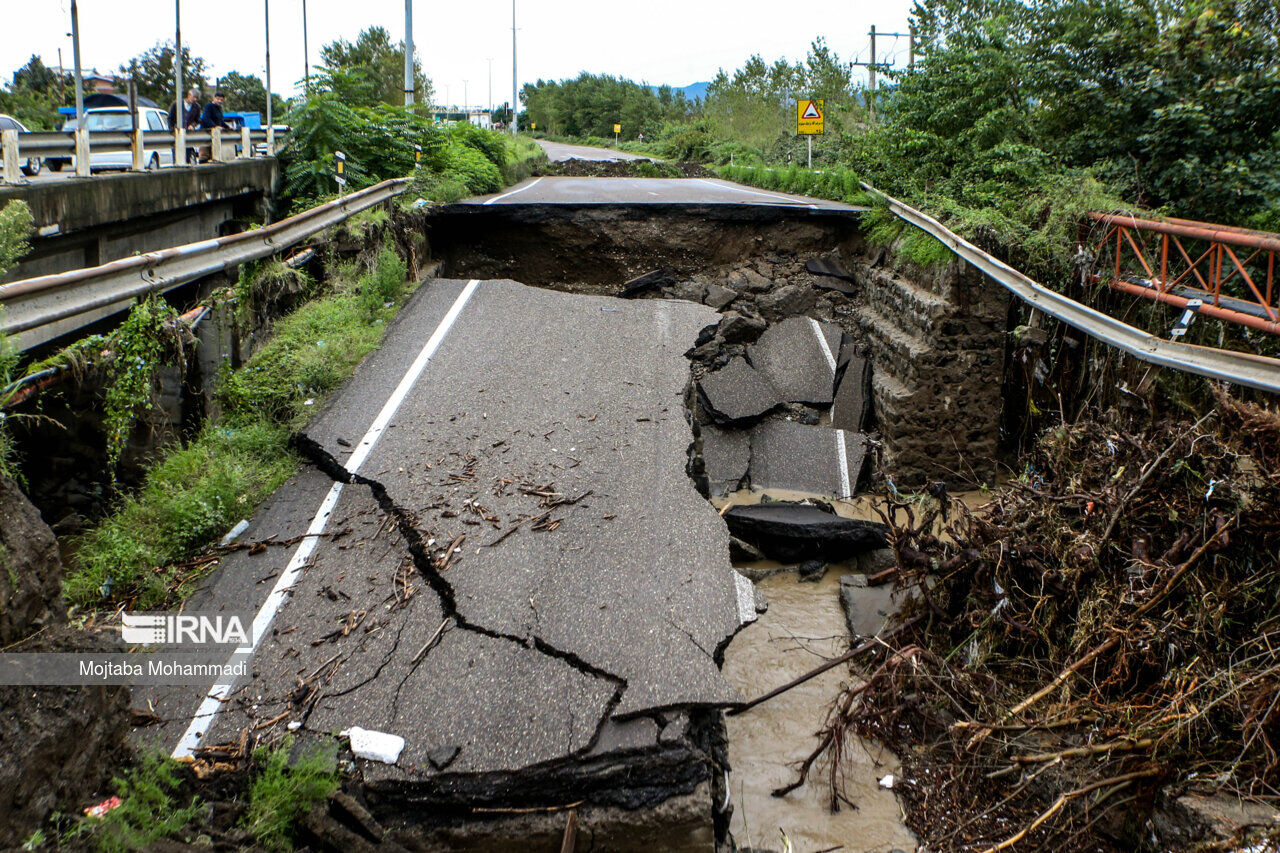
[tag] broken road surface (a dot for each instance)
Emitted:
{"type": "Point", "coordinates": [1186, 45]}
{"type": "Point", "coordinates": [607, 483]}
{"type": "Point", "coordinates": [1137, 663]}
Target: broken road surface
{"type": "Point", "coordinates": [521, 581]}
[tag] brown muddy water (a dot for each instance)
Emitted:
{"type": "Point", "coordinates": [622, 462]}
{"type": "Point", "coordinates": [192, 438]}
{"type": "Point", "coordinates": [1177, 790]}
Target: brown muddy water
{"type": "Point", "coordinates": [803, 627]}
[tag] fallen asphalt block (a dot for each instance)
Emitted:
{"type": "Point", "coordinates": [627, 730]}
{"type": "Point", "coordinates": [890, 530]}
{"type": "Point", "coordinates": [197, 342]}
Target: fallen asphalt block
{"type": "Point", "coordinates": [645, 283]}
{"type": "Point", "coordinates": [832, 275]}
{"type": "Point", "coordinates": [726, 457]}
{"type": "Point", "coordinates": [793, 532]}
{"type": "Point", "coordinates": [736, 392]}
{"type": "Point", "coordinates": [798, 358]}
{"type": "Point", "coordinates": [852, 402]}
{"type": "Point", "coordinates": [815, 459]}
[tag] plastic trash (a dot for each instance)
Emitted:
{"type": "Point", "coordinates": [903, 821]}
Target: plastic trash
{"type": "Point", "coordinates": [887, 781]}
{"type": "Point", "coordinates": [235, 532]}
{"type": "Point", "coordinates": [375, 746]}
{"type": "Point", "coordinates": [103, 807]}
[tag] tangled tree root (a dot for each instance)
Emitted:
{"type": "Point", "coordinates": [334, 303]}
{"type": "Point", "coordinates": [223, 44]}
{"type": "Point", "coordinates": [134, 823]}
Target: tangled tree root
{"type": "Point", "coordinates": [1101, 637]}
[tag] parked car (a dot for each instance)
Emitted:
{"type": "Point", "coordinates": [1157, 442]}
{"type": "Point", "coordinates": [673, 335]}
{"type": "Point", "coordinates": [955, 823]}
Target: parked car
{"type": "Point", "coordinates": [118, 120]}
{"type": "Point", "coordinates": [56, 163]}
{"type": "Point", "coordinates": [31, 167]}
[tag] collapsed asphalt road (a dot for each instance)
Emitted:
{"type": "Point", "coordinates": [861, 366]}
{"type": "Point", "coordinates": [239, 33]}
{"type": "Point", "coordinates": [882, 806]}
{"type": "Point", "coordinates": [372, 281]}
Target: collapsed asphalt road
{"type": "Point", "coordinates": [521, 581]}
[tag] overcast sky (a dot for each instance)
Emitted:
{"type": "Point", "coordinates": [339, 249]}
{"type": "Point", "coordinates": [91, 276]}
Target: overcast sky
{"type": "Point", "coordinates": [661, 41]}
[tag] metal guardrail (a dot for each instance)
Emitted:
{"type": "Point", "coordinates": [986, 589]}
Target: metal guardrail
{"type": "Point", "coordinates": [39, 302]}
{"type": "Point", "coordinates": [1254, 371]}
{"type": "Point", "coordinates": [79, 145]}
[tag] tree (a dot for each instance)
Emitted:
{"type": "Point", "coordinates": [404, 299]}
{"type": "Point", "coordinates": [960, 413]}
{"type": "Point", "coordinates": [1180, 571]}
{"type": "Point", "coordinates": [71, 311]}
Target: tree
{"type": "Point", "coordinates": [36, 76]}
{"type": "Point", "coordinates": [370, 71]}
{"type": "Point", "coordinates": [152, 70]}
{"type": "Point", "coordinates": [245, 93]}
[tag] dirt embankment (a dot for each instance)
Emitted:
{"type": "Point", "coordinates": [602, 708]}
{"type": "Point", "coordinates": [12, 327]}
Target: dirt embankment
{"type": "Point", "coordinates": [60, 744]}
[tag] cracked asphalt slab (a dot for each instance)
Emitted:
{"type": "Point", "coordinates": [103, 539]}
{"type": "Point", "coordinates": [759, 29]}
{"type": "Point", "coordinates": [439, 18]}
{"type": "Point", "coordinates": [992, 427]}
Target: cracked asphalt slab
{"type": "Point", "coordinates": [525, 577]}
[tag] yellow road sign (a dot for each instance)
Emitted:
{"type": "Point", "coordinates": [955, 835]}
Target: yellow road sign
{"type": "Point", "coordinates": [809, 116]}
{"type": "Point", "coordinates": [617, 128]}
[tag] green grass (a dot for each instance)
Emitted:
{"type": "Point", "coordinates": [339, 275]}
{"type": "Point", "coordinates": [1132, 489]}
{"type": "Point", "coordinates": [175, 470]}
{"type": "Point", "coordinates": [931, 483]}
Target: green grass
{"type": "Point", "coordinates": [199, 491]}
{"type": "Point", "coordinates": [153, 806]}
{"type": "Point", "coordinates": [283, 792]}
{"type": "Point", "coordinates": [148, 809]}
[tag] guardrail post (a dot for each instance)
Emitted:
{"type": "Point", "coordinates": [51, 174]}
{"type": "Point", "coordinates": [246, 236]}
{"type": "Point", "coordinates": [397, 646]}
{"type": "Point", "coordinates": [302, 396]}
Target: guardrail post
{"type": "Point", "coordinates": [179, 146]}
{"type": "Point", "coordinates": [135, 145]}
{"type": "Point", "coordinates": [246, 144]}
{"type": "Point", "coordinates": [9, 141]}
{"type": "Point", "coordinates": [82, 152]}
{"type": "Point", "coordinates": [271, 140]}
{"type": "Point", "coordinates": [216, 145]}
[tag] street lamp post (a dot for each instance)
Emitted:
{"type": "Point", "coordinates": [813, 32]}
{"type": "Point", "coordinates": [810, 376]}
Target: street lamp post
{"type": "Point", "coordinates": [306, 55]}
{"type": "Point", "coordinates": [179, 111]}
{"type": "Point", "coordinates": [75, 54]}
{"type": "Point", "coordinates": [271, 133]}
{"type": "Point", "coordinates": [409, 83]}
{"type": "Point", "coordinates": [515, 88]}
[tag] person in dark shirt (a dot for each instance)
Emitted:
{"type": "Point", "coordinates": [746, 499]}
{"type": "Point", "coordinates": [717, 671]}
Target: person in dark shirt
{"type": "Point", "coordinates": [212, 116]}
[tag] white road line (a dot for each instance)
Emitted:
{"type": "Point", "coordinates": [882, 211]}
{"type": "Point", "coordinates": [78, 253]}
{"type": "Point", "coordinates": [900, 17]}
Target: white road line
{"type": "Point", "coordinates": [826, 348]}
{"type": "Point", "coordinates": [842, 454]}
{"type": "Point", "coordinates": [842, 450]}
{"type": "Point", "coordinates": [726, 186]}
{"type": "Point", "coordinates": [513, 192]}
{"type": "Point", "coordinates": [203, 718]}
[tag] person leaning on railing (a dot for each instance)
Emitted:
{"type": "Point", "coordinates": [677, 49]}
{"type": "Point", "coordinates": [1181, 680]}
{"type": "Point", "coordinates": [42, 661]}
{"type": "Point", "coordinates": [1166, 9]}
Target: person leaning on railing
{"type": "Point", "coordinates": [212, 117]}
{"type": "Point", "coordinates": [190, 111]}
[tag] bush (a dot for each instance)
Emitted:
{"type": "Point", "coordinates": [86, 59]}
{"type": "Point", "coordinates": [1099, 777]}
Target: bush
{"type": "Point", "coordinates": [284, 792]}
{"type": "Point", "coordinates": [473, 168]}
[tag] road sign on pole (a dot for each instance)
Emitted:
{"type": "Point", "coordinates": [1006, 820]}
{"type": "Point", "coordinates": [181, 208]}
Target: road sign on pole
{"type": "Point", "coordinates": [340, 171]}
{"type": "Point", "coordinates": [809, 116]}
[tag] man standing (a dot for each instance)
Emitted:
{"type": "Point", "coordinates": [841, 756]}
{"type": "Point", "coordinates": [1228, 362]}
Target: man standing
{"type": "Point", "coordinates": [190, 111]}
{"type": "Point", "coordinates": [212, 116]}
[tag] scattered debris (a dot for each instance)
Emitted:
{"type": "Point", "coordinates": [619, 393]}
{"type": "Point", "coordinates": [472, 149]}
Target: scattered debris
{"type": "Point", "coordinates": [726, 456]}
{"type": "Point", "coordinates": [101, 809]}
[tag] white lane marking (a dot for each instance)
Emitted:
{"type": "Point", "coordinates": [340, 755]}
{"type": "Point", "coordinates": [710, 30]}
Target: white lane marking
{"type": "Point", "coordinates": [203, 717]}
{"type": "Point", "coordinates": [513, 192]}
{"type": "Point", "coordinates": [842, 456]}
{"type": "Point", "coordinates": [822, 342]}
{"type": "Point", "coordinates": [745, 591]}
{"type": "Point", "coordinates": [727, 186]}
{"type": "Point", "coordinates": [842, 451]}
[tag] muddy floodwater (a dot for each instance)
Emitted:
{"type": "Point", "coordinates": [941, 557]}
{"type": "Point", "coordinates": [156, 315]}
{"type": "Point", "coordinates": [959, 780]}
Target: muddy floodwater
{"type": "Point", "coordinates": [803, 627]}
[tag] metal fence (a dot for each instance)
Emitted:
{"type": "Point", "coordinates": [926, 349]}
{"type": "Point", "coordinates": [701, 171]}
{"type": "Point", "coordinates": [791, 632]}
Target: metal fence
{"type": "Point", "coordinates": [1254, 371]}
{"type": "Point", "coordinates": [39, 309]}
{"type": "Point", "coordinates": [79, 146]}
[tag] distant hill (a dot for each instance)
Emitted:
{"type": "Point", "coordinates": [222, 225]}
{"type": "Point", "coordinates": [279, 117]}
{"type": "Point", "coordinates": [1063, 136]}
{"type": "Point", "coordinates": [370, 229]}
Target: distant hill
{"type": "Point", "coordinates": [694, 91]}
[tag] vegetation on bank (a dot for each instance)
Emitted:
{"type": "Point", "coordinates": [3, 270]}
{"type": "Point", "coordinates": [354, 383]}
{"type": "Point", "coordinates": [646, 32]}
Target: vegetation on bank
{"type": "Point", "coordinates": [200, 490]}
{"type": "Point", "coordinates": [158, 801]}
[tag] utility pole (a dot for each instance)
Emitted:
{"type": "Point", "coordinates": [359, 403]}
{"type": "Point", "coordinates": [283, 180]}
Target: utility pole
{"type": "Point", "coordinates": [271, 134]}
{"type": "Point", "coordinates": [515, 86]}
{"type": "Point", "coordinates": [306, 56]}
{"type": "Point", "coordinates": [872, 66]}
{"type": "Point", "coordinates": [491, 93]}
{"type": "Point", "coordinates": [62, 78]}
{"type": "Point", "coordinates": [75, 53]}
{"type": "Point", "coordinates": [410, 84]}
{"type": "Point", "coordinates": [179, 109]}
{"type": "Point", "coordinates": [466, 104]}
{"type": "Point", "coordinates": [911, 47]}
